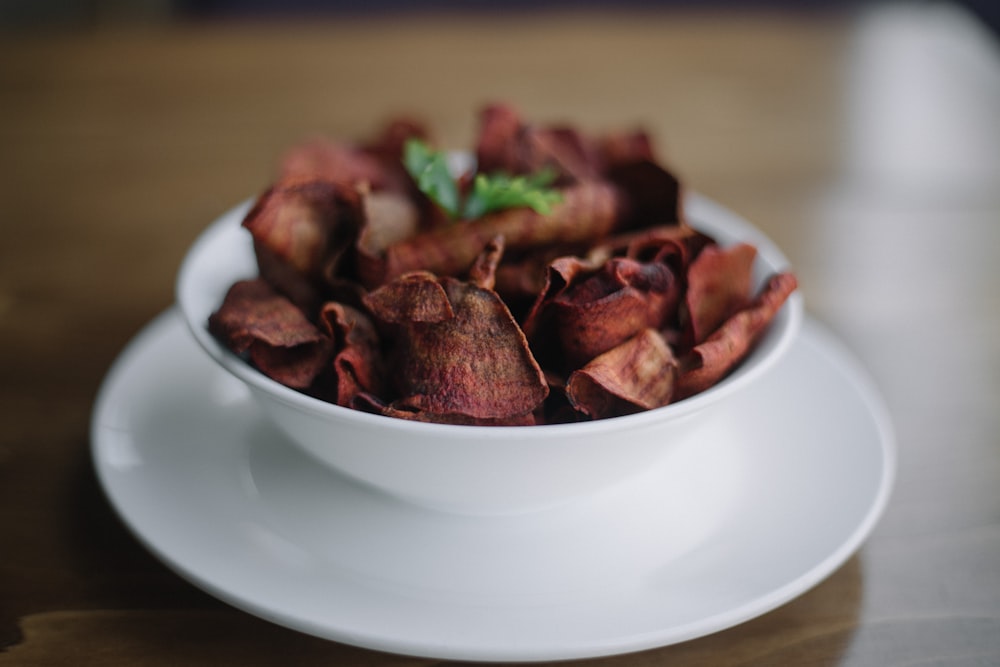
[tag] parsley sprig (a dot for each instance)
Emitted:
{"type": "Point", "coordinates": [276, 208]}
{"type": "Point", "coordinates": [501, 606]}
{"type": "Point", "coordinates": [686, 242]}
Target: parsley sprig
{"type": "Point", "coordinates": [489, 192]}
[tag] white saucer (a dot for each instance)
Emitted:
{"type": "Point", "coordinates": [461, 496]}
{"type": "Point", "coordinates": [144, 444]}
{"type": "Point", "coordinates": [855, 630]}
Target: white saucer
{"type": "Point", "coordinates": [778, 496]}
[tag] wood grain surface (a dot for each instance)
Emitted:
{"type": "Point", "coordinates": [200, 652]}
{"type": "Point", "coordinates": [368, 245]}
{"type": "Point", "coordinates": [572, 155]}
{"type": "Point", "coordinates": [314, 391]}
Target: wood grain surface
{"type": "Point", "coordinates": [119, 144]}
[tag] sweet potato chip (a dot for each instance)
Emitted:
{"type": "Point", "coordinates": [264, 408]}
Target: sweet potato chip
{"type": "Point", "coordinates": [278, 339]}
{"type": "Point", "coordinates": [637, 375]}
{"type": "Point", "coordinates": [712, 359]}
{"type": "Point", "coordinates": [458, 350]}
{"type": "Point", "coordinates": [719, 284]}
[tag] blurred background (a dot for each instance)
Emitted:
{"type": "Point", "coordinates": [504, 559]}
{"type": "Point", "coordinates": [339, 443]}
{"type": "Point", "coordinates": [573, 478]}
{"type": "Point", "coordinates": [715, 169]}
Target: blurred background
{"type": "Point", "coordinates": [864, 138]}
{"type": "Point", "coordinates": [850, 107]}
{"type": "Point", "coordinates": [26, 13]}
{"type": "Point", "coordinates": [83, 12]}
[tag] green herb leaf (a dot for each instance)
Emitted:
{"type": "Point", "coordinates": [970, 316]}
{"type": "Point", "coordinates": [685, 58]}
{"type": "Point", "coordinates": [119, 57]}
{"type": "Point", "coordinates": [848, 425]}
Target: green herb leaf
{"type": "Point", "coordinates": [430, 170]}
{"type": "Point", "coordinates": [489, 193]}
{"type": "Point", "coordinates": [500, 191]}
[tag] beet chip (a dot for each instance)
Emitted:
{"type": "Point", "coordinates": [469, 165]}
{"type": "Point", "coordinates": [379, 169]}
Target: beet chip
{"type": "Point", "coordinates": [279, 340]}
{"type": "Point", "coordinates": [324, 160]}
{"type": "Point", "coordinates": [711, 360]}
{"type": "Point", "coordinates": [587, 213]}
{"type": "Point", "coordinates": [388, 145]}
{"type": "Point", "coordinates": [674, 244]}
{"type": "Point", "coordinates": [719, 285]}
{"type": "Point", "coordinates": [599, 310]}
{"type": "Point", "coordinates": [506, 144]}
{"type": "Point", "coordinates": [459, 351]}
{"type": "Point", "coordinates": [372, 295]}
{"type": "Point", "coordinates": [519, 281]}
{"type": "Point", "coordinates": [357, 364]}
{"type": "Point", "coordinates": [413, 298]}
{"type": "Point", "coordinates": [653, 192]}
{"type": "Point", "coordinates": [307, 225]}
{"type": "Point", "coordinates": [389, 217]}
{"type": "Point", "coordinates": [374, 165]}
{"type": "Point", "coordinates": [637, 375]}
{"type": "Point", "coordinates": [618, 148]}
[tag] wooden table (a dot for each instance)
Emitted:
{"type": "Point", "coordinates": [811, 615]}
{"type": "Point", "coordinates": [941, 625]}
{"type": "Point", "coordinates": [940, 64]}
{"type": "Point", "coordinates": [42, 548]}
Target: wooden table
{"type": "Point", "coordinates": [120, 143]}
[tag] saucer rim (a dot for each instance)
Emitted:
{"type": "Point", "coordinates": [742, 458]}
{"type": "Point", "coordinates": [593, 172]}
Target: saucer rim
{"type": "Point", "coordinates": [824, 342]}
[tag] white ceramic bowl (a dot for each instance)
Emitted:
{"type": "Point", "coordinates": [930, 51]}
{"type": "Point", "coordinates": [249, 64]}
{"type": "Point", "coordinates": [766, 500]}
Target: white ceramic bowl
{"type": "Point", "coordinates": [477, 469]}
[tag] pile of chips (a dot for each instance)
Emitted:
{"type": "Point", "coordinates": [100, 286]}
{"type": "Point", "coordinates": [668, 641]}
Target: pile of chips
{"type": "Point", "coordinates": [371, 297]}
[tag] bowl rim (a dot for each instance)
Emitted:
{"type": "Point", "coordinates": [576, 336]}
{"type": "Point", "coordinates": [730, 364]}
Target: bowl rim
{"type": "Point", "coordinates": [725, 225]}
